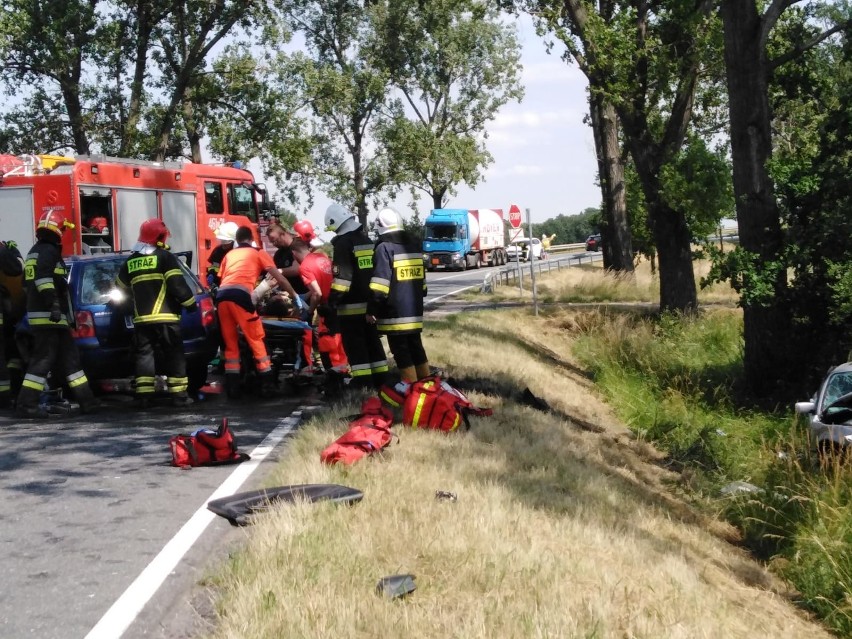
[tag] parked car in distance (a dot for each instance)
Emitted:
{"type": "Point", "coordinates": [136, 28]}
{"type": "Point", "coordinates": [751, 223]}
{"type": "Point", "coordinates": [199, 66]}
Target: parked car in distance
{"type": "Point", "coordinates": [593, 242]}
{"type": "Point", "coordinates": [104, 322]}
{"type": "Point", "coordinates": [830, 410]}
{"type": "Point", "coordinates": [520, 249]}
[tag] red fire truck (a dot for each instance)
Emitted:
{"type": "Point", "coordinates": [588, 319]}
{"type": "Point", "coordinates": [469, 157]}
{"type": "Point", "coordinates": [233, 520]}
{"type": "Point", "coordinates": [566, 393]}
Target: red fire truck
{"type": "Point", "coordinates": [108, 198]}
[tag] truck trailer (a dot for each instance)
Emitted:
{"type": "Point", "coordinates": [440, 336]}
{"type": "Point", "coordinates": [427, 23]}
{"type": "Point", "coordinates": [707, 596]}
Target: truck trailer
{"type": "Point", "coordinates": [462, 238]}
{"type": "Point", "coordinates": [108, 198]}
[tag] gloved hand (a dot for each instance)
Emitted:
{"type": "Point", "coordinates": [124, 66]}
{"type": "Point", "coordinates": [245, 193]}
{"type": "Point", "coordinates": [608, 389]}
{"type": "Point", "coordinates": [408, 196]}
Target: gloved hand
{"type": "Point", "coordinates": [55, 313]}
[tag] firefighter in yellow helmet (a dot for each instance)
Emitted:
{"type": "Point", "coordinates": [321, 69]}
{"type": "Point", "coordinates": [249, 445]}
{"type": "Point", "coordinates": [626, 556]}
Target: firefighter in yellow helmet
{"type": "Point", "coordinates": [50, 318]}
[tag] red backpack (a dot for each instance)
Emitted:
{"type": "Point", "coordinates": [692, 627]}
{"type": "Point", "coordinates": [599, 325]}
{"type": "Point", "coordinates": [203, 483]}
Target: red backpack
{"type": "Point", "coordinates": [206, 447]}
{"type": "Point", "coordinates": [433, 403]}
{"type": "Point", "coordinates": [368, 432]}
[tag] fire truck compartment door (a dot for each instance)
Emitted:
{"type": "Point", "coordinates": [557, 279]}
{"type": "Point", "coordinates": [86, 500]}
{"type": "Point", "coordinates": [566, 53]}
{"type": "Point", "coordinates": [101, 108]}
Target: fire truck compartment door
{"type": "Point", "coordinates": [16, 217]}
{"type": "Point", "coordinates": [133, 208]}
{"type": "Point", "coordinates": [179, 216]}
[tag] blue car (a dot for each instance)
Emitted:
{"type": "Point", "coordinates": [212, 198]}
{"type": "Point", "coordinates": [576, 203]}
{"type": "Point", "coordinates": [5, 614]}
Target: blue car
{"type": "Point", "coordinates": [104, 323]}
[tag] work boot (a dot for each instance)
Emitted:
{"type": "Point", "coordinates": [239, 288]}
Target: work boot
{"type": "Point", "coordinates": [232, 386]}
{"type": "Point", "coordinates": [62, 408]}
{"type": "Point", "coordinates": [181, 401]}
{"type": "Point", "coordinates": [267, 386]}
{"type": "Point", "coordinates": [31, 412]}
{"type": "Point", "coordinates": [423, 370]}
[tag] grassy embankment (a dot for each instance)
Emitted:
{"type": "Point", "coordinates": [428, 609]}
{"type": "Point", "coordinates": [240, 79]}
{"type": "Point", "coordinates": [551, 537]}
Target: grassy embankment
{"type": "Point", "coordinates": [566, 525]}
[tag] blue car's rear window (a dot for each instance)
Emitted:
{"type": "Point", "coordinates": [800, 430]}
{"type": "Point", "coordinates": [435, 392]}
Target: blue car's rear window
{"type": "Point", "coordinates": [99, 280]}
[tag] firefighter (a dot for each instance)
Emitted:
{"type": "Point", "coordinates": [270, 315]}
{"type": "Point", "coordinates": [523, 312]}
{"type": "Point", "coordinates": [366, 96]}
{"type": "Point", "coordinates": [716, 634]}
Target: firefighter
{"type": "Point", "coordinates": [241, 269]}
{"type": "Point", "coordinates": [11, 290]}
{"type": "Point", "coordinates": [316, 270]}
{"type": "Point", "coordinates": [350, 291]}
{"type": "Point", "coordinates": [398, 287]}
{"type": "Point", "coordinates": [154, 279]}
{"type": "Point", "coordinates": [49, 316]}
{"type": "Point", "coordinates": [226, 234]}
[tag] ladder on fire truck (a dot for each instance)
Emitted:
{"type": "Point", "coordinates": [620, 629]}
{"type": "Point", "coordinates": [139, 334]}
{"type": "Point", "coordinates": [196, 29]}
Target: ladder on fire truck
{"type": "Point", "coordinates": [31, 164]}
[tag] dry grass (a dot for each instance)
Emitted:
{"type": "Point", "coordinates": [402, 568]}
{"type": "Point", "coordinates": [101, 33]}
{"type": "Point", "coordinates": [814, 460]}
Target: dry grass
{"type": "Point", "coordinates": [558, 531]}
{"type": "Point", "coordinates": [589, 283]}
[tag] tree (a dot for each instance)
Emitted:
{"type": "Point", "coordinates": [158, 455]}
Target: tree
{"type": "Point", "coordinates": [455, 65]}
{"type": "Point", "coordinates": [758, 268]}
{"type": "Point", "coordinates": [553, 16]}
{"type": "Point", "coordinates": [345, 92]}
{"type": "Point", "coordinates": [43, 46]}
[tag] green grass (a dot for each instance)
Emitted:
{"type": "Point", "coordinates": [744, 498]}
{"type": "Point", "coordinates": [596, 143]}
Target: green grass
{"type": "Point", "coordinates": [674, 380]}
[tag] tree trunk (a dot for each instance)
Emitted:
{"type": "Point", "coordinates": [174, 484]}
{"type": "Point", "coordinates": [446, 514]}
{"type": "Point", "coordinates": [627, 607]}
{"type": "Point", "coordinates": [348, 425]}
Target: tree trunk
{"type": "Point", "coordinates": [71, 97]}
{"type": "Point", "coordinates": [617, 240]}
{"type": "Point", "coordinates": [674, 248]}
{"type": "Point", "coordinates": [137, 85]}
{"type": "Point", "coordinates": [191, 125]}
{"type": "Point", "coordinates": [766, 326]}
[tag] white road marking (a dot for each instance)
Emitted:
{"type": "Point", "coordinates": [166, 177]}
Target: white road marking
{"type": "Point", "coordinates": [440, 297]}
{"type": "Point", "coordinates": [124, 611]}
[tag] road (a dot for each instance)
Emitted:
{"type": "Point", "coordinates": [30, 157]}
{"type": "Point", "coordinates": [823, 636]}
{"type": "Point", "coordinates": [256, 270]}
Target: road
{"type": "Point", "coordinates": [89, 504]}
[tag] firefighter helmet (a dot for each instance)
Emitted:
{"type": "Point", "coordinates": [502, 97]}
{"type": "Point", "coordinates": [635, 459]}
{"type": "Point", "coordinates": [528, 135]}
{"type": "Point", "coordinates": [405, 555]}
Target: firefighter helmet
{"type": "Point", "coordinates": [389, 220]}
{"type": "Point", "coordinates": [305, 230]}
{"type": "Point", "coordinates": [55, 222]}
{"type": "Point", "coordinates": [227, 232]}
{"type": "Point", "coordinates": [335, 216]}
{"type": "Point", "coordinates": [153, 231]}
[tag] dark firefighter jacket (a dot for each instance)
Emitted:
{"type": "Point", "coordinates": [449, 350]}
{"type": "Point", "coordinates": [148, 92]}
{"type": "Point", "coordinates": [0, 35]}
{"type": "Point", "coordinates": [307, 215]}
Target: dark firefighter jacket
{"type": "Point", "coordinates": [398, 285]}
{"type": "Point", "coordinates": [214, 263]}
{"type": "Point", "coordinates": [45, 278]}
{"type": "Point", "coordinates": [352, 267]}
{"type": "Point", "coordinates": [157, 285]}
{"type": "Point", "coordinates": [12, 298]}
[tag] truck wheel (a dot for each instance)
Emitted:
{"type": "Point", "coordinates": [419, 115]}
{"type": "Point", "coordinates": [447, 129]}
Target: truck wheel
{"type": "Point", "coordinates": [476, 263]}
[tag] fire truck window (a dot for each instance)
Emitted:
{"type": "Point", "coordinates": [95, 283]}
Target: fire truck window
{"type": "Point", "coordinates": [242, 201]}
{"type": "Point", "coordinates": [213, 198]}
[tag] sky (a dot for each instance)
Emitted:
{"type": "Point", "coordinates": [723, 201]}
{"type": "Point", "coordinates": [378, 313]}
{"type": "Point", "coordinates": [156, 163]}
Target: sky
{"type": "Point", "coordinates": [544, 157]}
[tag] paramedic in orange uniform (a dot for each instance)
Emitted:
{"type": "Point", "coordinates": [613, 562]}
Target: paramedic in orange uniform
{"type": "Point", "coordinates": [316, 271]}
{"type": "Point", "coordinates": [241, 268]}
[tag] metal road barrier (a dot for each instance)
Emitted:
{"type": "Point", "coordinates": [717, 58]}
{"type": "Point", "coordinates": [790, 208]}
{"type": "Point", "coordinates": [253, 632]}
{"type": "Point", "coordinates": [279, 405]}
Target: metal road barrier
{"type": "Point", "coordinates": [509, 273]}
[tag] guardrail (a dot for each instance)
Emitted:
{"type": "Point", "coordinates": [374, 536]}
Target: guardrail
{"type": "Point", "coordinates": [509, 273]}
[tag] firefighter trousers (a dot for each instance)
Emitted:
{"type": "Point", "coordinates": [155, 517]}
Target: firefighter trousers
{"type": "Point", "coordinates": [54, 351]}
{"type": "Point", "coordinates": [407, 349]}
{"type": "Point", "coordinates": [233, 318]}
{"type": "Point", "coordinates": [368, 364]}
{"type": "Point", "coordinates": [159, 348]}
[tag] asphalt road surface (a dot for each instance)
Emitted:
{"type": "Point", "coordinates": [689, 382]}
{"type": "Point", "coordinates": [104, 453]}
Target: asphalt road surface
{"type": "Point", "coordinates": [100, 534]}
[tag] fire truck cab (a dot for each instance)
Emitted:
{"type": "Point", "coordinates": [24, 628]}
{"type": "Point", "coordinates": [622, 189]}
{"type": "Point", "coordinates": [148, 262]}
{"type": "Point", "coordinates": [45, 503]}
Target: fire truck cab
{"type": "Point", "coordinates": [108, 198]}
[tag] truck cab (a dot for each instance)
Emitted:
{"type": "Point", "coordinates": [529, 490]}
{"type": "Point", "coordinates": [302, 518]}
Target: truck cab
{"type": "Point", "coordinates": [446, 239]}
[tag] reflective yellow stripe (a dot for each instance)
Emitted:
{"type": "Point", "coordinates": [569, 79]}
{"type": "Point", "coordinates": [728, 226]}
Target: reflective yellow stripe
{"type": "Point", "coordinates": [456, 422]}
{"type": "Point", "coordinates": [381, 288]}
{"type": "Point", "coordinates": [388, 399]}
{"type": "Point", "coordinates": [408, 262]}
{"type": "Point", "coordinates": [399, 327]}
{"type": "Point", "coordinates": [415, 421]}
{"type": "Point", "coordinates": [343, 288]}
{"type": "Point", "coordinates": [159, 317]}
{"type": "Point", "coordinates": [380, 368]}
{"type": "Point", "coordinates": [34, 385]}
{"type": "Point", "coordinates": [352, 311]}
{"type": "Point", "coordinates": [78, 382]}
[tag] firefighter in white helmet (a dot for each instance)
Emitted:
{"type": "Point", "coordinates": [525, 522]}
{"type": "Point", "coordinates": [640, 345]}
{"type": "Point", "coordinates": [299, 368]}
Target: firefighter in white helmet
{"type": "Point", "coordinates": [397, 288]}
{"type": "Point", "coordinates": [352, 268]}
{"type": "Point", "coordinates": [226, 234]}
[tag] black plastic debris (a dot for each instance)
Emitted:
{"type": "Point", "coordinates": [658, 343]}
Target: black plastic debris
{"type": "Point", "coordinates": [238, 509]}
{"type": "Point", "coordinates": [445, 495]}
{"type": "Point", "coordinates": [396, 586]}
